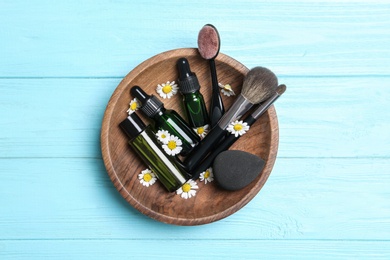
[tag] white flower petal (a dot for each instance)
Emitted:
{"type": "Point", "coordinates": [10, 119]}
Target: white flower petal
{"type": "Point", "coordinates": [174, 89]}
{"type": "Point", "coordinates": [226, 89]}
{"type": "Point", "coordinates": [151, 181]}
{"type": "Point", "coordinates": [163, 136]}
{"type": "Point", "coordinates": [243, 130]}
{"type": "Point", "coordinates": [191, 192]}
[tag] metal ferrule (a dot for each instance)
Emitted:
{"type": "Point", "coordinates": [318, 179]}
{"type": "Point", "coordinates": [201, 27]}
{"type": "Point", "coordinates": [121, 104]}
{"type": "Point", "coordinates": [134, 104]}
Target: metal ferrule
{"type": "Point", "coordinates": [264, 106]}
{"type": "Point", "coordinates": [235, 112]}
{"type": "Point", "coordinates": [152, 106]}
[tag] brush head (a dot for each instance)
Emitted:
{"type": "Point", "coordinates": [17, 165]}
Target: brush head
{"type": "Point", "coordinates": [259, 84]}
{"type": "Point", "coordinates": [208, 42]}
{"type": "Point", "coordinates": [281, 89]}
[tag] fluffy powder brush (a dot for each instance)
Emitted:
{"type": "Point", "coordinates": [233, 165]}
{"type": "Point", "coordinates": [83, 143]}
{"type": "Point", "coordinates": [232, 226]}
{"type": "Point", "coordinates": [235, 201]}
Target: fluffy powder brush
{"type": "Point", "coordinates": [259, 84]}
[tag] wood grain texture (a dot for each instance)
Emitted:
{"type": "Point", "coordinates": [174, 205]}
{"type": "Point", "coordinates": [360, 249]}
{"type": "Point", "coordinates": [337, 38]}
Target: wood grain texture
{"type": "Point", "coordinates": [222, 249]}
{"type": "Point", "coordinates": [328, 194]}
{"type": "Point", "coordinates": [303, 199]}
{"type": "Point", "coordinates": [123, 164]}
{"type": "Point", "coordinates": [104, 38]}
{"type": "Point", "coordinates": [318, 117]}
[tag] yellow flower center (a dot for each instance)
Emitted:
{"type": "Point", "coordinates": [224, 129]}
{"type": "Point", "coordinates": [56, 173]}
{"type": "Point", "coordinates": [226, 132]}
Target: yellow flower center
{"type": "Point", "coordinates": [186, 187]}
{"type": "Point", "coordinates": [237, 127]}
{"type": "Point", "coordinates": [133, 106]}
{"type": "Point", "coordinates": [171, 145]}
{"type": "Point", "coordinates": [167, 89]}
{"type": "Point", "coordinates": [147, 177]}
{"type": "Point", "coordinates": [206, 174]}
{"type": "Point", "coordinates": [227, 87]}
{"type": "Point", "coordinates": [163, 136]}
{"type": "Point", "coordinates": [200, 130]}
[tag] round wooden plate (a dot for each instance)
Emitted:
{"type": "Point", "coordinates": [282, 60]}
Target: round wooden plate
{"type": "Point", "coordinates": [211, 203]}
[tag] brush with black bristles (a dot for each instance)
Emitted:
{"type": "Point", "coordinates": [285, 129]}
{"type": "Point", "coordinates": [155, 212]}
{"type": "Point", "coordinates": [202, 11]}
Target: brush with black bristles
{"type": "Point", "coordinates": [259, 84]}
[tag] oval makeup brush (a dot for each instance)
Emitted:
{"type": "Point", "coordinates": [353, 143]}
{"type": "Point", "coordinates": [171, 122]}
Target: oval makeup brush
{"type": "Point", "coordinates": [259, 84]}
{"type": "Point", "coordinates": [208, 46]}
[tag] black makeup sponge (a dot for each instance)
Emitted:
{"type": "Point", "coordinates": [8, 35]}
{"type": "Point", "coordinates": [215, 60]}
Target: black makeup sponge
{"type": "Point", "coordinates": [233, 169]}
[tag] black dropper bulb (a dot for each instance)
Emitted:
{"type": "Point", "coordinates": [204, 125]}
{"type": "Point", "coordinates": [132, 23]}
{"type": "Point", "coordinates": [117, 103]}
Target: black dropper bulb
{"type": "Point", "coordinates": [188, 82]}
{"type": "Point", "coordinates": [150, 104]}
{"type": "Point", "coordinates": [184, 69]}
{"type": "Point", "coordinates": [137, 92]}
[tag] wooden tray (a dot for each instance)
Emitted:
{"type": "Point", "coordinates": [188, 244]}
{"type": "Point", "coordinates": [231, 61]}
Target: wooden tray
{"type": "Point", "coordinates": [211, 203]}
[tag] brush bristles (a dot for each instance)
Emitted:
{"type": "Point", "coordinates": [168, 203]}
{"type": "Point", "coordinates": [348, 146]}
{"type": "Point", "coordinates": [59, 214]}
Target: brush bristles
{"type": "Point", "coordinates": [259, 84]}
{"type": "Point", "coordinates": [281, 89]}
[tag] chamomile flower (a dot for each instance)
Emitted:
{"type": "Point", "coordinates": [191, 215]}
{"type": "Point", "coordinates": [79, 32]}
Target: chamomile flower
{"type": "Point", "coordinates": [147, 177]}
{"type": "Point", "coordinates": [167, 90]}
{"type": "Point", "coordinates": [202, 131]}
{"type": "Point", "coordinates": [207, 175]}
{"type": "Point", "coordinates": [188, 189]}
{"type": "Point", "coordinates": [238, 128]}
{"type": "Point", "coordinates": [163, 136]}
{"type": "Point", "coordinates": [173, 145]}
{"type": "Point", "coordinates": [133, 106]}
{"type": "Point", "coordinates": [226, 89]}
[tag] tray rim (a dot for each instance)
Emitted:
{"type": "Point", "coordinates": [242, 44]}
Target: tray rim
{"type": "Point", "coordinates": [270, 160]}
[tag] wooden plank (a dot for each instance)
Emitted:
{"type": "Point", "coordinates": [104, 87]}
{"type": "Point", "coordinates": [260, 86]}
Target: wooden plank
{"type": "Point", "coordinates": [318, 117]}
{"type": "Point", "coordinates": [304, 199]}
{"type": "Point", "coordinates": [105, 38]}
{"type": "Point", "coordinates": [194, 249]}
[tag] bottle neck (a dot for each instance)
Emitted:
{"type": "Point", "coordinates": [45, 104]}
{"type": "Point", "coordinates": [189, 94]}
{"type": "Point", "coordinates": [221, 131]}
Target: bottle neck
{"type": "Point", "coordinates": [159, 113]}
{"type": "Point", "coordinates": [192, 96]}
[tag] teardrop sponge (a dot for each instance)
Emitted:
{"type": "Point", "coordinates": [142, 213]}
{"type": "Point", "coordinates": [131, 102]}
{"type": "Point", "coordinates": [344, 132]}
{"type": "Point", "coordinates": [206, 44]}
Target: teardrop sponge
{"type": "Point", "coordinates": [234, 170]}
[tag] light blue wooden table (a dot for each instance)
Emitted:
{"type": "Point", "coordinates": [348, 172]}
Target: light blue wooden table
{"type": "Point", "coordinates": [328, 195]}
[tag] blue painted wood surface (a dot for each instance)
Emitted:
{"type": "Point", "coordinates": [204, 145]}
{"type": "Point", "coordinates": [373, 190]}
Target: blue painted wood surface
{"type": "Point", "coordinates": [328, 195]}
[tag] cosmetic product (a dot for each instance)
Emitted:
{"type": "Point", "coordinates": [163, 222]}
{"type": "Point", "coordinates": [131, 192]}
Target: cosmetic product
{"type": "Point", "coordinates": [259, 84]}
{"type": "Point", "coordinates": [144, 142]}
{"type": "Point", "coordinates": [234, 170]}
{"type": "Point", "coordinates": [231, 139]}
{"type": "Point", "coordinates": [208, 45]}
{"type": "Point", "coordinates": [193, 101]}
{"type": "Point", "coordinates": [166, 119]}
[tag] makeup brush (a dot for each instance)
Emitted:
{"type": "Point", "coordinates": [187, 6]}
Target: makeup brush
{"type": "Point", "coordinates": [208, 46]}
{"type": "Point", "coordinates": [231, 139]}
{"type": "Point", "coordinates": [259, 84]}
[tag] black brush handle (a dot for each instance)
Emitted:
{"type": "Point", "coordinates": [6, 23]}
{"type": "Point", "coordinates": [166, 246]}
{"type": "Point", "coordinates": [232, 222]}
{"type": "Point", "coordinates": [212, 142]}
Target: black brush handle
{"type": "Point", "coordinates": [230, 139]}
{"type": "Point", "coordinates": [203, 148]}
{"type": "Point", "coordinates": [224, 145]}
{"type": "Point", "coordinates": [216, 106]}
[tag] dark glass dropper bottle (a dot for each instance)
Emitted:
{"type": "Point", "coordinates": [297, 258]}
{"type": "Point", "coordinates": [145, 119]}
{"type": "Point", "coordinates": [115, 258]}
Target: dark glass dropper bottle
{"type": "Point", "coordinates": [166, 119]}
{"type": "Point", "coordinates": [192, 99]}
{"type": "Point", "coordinates": [145, 144]}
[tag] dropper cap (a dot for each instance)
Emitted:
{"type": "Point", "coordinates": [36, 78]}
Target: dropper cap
{"type": "Point", "coordinates": [188, 82]}
{"type": "Point", "coordinates": [132, 126]}
{"type": "Point", "coordinates": [150, 104]}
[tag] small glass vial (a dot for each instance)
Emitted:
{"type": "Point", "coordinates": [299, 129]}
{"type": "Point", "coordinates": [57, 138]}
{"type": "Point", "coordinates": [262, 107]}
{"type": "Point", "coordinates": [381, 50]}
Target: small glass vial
{"type": "Point", "coordinates": [144, 142]}
{"type": "Point", "coordinates": [193, 101]}
{"type": "Point", "coordinates": [166, 119]}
